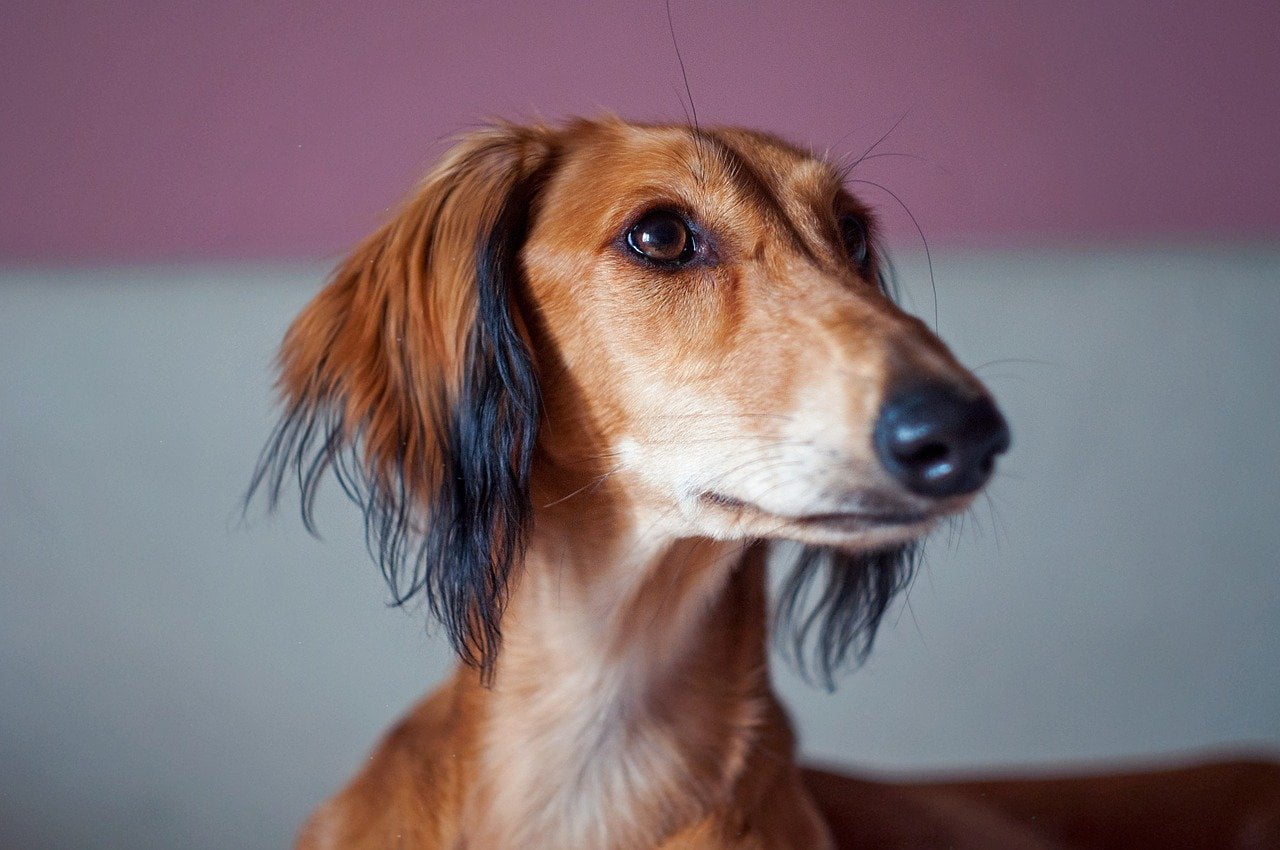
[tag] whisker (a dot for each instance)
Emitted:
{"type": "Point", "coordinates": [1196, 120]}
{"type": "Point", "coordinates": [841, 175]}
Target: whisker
{"type": "Point", "coordinates": [1015, 361]}
{"type": "Point", "coordinates": [786, 417]}
{"type": "Point", "coordinates": [883, 136]}
{"type": "Point", "coordinates": [888, 154]}
{"type": "Point", "coordinates": [671, 28]}
{"type": "Point", "coordinates": [764, 456]}
{"type": "Point", "coordinates": [927, 254]}
{"type": "Point", "coordinates": [591, 485]}
{"type": "Point", "coordinates": [997, 526]}
{"type": "Point", "coordinates": [700, 174]}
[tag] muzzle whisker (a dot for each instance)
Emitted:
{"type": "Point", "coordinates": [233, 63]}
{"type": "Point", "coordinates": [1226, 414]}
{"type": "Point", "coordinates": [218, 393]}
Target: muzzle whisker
{"type": "Point", "coordinates": [592, 485]}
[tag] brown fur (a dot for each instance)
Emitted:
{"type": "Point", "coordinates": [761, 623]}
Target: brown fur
{"type": "Point", "coordinates": [630, 705]}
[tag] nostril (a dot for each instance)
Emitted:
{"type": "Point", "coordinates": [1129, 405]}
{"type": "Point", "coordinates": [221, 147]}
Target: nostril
{"type": "Point", "coordinates": [937, 441]}
{"type": "Point", "coordinates": [923, 455]}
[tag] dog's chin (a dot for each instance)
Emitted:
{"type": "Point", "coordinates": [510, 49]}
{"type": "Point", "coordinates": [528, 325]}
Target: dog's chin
{"type": "Point", "coordinates": [854, 530]}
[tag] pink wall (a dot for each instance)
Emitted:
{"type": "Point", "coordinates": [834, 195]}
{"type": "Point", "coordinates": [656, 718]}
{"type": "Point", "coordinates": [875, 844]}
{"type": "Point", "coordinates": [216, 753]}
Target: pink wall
{"type": "Point", "coordinates": [148, 130]}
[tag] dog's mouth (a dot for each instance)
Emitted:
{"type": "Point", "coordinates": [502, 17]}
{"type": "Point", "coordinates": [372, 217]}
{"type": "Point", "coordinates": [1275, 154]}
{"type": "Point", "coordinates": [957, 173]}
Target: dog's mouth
{"type": "Point", "coordinates": [882, 517]}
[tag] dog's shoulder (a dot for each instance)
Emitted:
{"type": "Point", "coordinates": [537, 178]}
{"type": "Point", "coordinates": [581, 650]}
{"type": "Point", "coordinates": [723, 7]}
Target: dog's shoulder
{"type": "Point", "coordinates": [406, 795]}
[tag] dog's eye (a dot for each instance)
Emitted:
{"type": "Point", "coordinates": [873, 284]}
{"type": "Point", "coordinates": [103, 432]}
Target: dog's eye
{"type": "Point", "coordinates": [853, 233]}
{"type": "Point", "coordinates": [662, 237]}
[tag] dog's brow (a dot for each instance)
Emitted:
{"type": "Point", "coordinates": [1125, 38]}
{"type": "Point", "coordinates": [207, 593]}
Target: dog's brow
{"type": "Point", "coordinates": [754, 184]}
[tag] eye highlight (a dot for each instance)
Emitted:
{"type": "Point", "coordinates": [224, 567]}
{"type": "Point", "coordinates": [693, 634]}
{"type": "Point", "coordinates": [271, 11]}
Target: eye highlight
{"type": "Point", "coordinates": [853, 235]}
{"type": "Point", "coordinates": [662, 237]}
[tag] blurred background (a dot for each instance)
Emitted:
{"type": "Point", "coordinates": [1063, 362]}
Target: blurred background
{"type": "Point", "coordinates": [1100, 193]}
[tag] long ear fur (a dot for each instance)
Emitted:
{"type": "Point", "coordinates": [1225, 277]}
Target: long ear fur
{"type": "Point", "coordinates": [409, 378]}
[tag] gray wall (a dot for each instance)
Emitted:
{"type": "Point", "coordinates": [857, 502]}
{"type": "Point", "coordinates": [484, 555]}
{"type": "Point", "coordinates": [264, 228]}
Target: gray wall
{"type": "Point", "coordinates": [172, 677]}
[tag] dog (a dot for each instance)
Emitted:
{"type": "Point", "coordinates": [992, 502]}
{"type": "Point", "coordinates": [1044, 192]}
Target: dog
{"type": "Point", "coordinates": [583, 385]}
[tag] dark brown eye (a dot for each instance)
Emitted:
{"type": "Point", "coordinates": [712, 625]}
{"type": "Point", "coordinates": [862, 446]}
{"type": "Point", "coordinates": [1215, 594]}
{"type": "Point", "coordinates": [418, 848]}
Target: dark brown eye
{"type": "Point", "coordinates": [853, 233]}
{"type": "Point", "coordinates": [662, 237]}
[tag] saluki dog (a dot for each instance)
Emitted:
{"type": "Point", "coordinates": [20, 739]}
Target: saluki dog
{"type": "Point", "coordinates": [582, 384]}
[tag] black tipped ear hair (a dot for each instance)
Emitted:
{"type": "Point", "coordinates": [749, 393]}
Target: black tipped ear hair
{"type": "Point", "coordinates": [409, 377]}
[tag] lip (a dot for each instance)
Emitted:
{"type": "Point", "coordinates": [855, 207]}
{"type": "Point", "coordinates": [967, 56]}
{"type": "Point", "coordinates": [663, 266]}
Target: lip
{"type": "Point", "coordinates": [844, 520]}
{"type": "Point", "coordinates": [835, 520]}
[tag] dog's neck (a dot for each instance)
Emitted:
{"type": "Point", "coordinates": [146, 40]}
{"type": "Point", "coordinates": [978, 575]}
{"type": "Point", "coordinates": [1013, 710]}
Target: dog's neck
{"type": "Point", "coordinates": [631, 695]}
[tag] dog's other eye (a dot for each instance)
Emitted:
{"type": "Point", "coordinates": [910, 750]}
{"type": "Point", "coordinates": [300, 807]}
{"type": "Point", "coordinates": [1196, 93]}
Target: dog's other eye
{"type": "Point", "coordinates": [662, 237]}
{"type": "Point", "coordinates": [853, 233]}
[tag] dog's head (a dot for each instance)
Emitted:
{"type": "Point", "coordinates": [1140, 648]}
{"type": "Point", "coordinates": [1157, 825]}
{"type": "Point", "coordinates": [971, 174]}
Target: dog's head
{"type": "Point", "coordinates": [696, 317]}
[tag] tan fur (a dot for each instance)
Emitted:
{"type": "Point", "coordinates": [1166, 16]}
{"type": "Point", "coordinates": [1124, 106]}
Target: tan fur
{"type": "Point", "coordinates": [630, 705]}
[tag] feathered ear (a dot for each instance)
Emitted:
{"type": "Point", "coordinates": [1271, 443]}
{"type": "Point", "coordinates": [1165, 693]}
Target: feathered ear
{"type": "Point", "coordinates": [409, 378]}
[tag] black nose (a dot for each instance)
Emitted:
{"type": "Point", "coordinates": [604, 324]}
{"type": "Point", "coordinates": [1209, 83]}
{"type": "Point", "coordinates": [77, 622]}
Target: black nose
{"type": "Point", "coordinates": [936, 441]}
